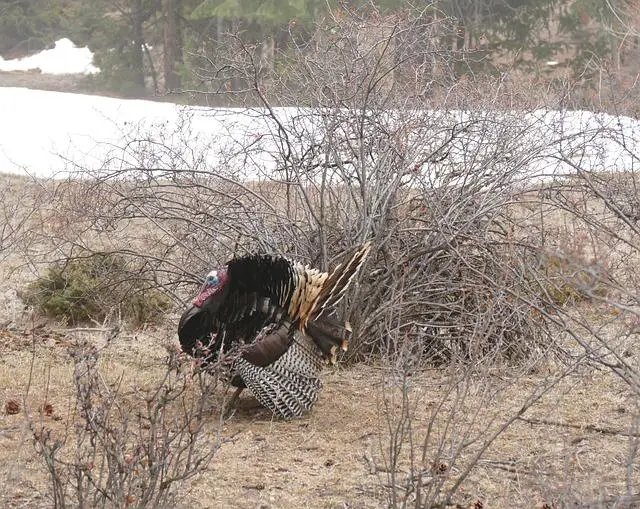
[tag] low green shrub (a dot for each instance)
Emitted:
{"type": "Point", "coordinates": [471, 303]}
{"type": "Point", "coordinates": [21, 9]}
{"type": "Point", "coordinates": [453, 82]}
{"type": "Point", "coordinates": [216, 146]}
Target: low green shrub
{"type": "Point", "coordinates": [94, 287]}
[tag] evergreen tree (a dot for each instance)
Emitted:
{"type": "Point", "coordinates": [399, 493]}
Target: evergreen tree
{"type": "Point", "coordinates": [119, 32]}
{"type": "Point", "coordinates": [590, 28]}
{"type": "Point", "coordinates": [30, 25]}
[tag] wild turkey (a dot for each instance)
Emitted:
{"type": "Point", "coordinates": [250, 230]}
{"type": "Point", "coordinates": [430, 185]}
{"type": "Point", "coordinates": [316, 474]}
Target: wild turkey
{"type": "Point", "coordinates": [271, 320]}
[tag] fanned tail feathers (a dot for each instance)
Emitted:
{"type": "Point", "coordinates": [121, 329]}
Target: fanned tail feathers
{"type": "Point", "coordinates": [336, 284]}
{"type": "Point", "coordinates": [329, 334]}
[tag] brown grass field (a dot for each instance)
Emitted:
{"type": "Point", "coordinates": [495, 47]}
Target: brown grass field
{"type": "Point", "coordinates": [575, 447]}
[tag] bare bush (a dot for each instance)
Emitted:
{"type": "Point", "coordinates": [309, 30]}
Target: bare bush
{"type": "Point", "coordinates": [17, 206]}
{"type": "Point", "coordinates": [426, 462]}
{"type": "Point", "coordinates": [129, 446]}
{"type": "Point", "coordinates": [435, 189]}
{"type": "Point", "coordinates": [601, 207]}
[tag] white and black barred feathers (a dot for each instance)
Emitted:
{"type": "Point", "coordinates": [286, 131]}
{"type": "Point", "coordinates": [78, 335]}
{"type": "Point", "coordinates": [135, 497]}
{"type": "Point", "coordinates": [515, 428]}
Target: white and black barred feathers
{"type": "Point", "coordinates": [274, 318]}
{"type": "Point", "coordinates": [288, 386]}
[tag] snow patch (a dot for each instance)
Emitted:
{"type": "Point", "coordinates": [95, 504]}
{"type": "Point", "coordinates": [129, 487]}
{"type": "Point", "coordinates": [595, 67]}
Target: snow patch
{"type": "Point", "coordinates": [47, 134]}
{"type": "Point", "coordinates": [64, 58]}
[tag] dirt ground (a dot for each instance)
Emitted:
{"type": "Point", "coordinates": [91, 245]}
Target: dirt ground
{"type": "Point", "coordinates": [39, 81]}
{"type": "Point", "coordinates": [574, 449]}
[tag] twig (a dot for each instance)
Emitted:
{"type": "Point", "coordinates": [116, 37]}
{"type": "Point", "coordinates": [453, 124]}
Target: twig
{"type": "Point", "coordinates": [83, 329]}
{"type": "Point", "coordinates": [587, 427]}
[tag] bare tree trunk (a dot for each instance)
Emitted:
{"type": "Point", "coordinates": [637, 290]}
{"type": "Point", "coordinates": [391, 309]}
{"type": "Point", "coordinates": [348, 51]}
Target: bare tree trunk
{"type": "Point", "coordinates": [460, 38]}
{"type": "Point", "coordinates": [236, 82]}
{"type": "Point", "coordinates": [220, 29]}
{"type": "Point", "coordinates": [172, 44]}
{"type": "Point", "coordinates": [138, 43]}
{"type": "Point", "coordinates": [267, 60]}
{"type": "Point", "coordinates": [152, 67]}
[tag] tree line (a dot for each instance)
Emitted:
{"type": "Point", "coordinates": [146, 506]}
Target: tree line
{"type": "Point", "coordinates": [151, 46]}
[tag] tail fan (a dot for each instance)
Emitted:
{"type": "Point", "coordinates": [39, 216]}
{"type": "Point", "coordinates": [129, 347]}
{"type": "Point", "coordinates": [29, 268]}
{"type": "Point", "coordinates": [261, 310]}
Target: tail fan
{"type": "Point", "coordinates": [335, 286]}
{"type": "Point", "coordinates": [328, 333]}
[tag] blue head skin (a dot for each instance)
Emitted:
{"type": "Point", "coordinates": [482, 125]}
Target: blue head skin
{"type": "Point", "coordinates": [204, 306]}
{"type": "Point", "coordinates": [212, 288]}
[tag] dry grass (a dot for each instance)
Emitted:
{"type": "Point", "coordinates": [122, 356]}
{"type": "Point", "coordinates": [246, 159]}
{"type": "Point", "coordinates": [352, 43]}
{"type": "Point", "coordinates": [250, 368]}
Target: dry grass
{"type": "Point", "coordinates": [575, 445]}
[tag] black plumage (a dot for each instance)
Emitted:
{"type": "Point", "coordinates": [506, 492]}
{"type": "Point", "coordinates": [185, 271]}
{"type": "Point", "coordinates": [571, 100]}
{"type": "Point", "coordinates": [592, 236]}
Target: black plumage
{"type": "Point", "coordinates": [272, 320]}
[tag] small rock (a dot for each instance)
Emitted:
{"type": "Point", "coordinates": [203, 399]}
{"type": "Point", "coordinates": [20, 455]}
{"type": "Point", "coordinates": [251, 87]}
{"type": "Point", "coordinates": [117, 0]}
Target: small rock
{"type": "Point", "coordinates": [258, 487]}
{"type": "Point", "coordinates": [12, 407]}
{"type": "Point", "coordinates": [48, 409]}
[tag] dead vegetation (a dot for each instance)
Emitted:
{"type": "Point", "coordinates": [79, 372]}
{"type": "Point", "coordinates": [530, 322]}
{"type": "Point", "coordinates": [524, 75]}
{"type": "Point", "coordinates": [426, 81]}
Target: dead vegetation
{"type": "Point", "coordinates": [574, 445]}
{"type": "Point", "coordinates": [485, 427]}
{"type": "Point", "coordinates": [128, 445]}
{"type": "Point", "coordinates": [495, 360]}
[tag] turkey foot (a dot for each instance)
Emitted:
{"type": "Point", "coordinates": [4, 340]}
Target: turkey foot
{"type": "Point", "coordinates": [229, 408]}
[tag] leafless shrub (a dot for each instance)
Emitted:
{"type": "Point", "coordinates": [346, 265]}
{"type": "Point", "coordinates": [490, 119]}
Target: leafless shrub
{"type": "Point", "coordinates": [425, 461]}
{"type": "Point", "coordinates": [484, 248]}
{"type": "Point", "coordinates": [129, 446]}
{"type": "Point", "coordinates": [17, 206]}
{"type": "Point", "coordinates": [435, 189]}
{"type": "Point", "coordinates": [587, 241]}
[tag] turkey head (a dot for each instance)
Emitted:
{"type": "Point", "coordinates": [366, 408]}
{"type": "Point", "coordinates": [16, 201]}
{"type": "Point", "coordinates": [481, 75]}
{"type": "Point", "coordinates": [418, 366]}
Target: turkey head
{"type": "Point", "coordinates": [196, 327]}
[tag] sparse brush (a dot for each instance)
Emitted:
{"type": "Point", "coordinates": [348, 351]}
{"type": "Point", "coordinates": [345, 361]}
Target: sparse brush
{"type": "Point", "coordinates": [129, 448]}
{"type": "Point", "coordinates": [437, 293]}
{"type": "Point", "coordinates": [565, 280]}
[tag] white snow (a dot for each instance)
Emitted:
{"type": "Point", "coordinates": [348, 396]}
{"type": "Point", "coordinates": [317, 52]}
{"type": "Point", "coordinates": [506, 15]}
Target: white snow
{"type": "Point", "coordinates": [46, 133]}
{"type": "Point", "coordinates": [53, 134]}
{"type": "Point", "coordinates": [64, 58]}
